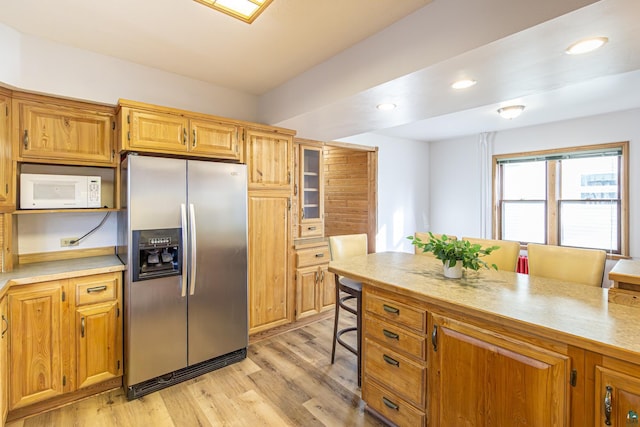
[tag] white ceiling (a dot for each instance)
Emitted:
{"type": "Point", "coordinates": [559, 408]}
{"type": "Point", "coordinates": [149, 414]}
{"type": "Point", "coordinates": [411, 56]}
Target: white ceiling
{"type": "Point", "coordinates": [320, 67]}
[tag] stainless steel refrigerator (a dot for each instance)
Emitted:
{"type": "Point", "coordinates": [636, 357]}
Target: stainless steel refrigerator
{"type": "Point", "coordinates": [183, 235]}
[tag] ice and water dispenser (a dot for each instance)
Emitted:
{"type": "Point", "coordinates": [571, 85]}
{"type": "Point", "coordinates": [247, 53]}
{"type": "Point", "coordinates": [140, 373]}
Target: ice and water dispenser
{"type": "Point", "coordinates": [156, 253]}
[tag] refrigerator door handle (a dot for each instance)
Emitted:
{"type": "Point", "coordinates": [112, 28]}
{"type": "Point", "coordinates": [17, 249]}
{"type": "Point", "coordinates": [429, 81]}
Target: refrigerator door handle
{"type": "Point", "coordinates": [192, 238]}
{"type": "Point", "coordinates": [183, 223]}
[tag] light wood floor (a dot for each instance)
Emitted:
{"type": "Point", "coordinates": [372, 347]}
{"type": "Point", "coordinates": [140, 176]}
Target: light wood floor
{"type": "Point", "coordinates": [286, 380]}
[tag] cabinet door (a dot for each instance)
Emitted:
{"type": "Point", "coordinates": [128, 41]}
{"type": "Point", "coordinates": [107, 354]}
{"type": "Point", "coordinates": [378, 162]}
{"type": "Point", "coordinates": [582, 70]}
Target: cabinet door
{"type": "Point", "coordinates": [617, 399]}
{"type": "Point", "coordinates": [311, 183]}
{"type": "Point", "coordinates": [38, 344]}
{"type": "Point", "coordinates": [269, 299]}
{"type": "Point", "coordinates": [479, 378]}
{"type": "Point", "coordinates": [307, 281]}
{"type": "Point", "coordinates": [98, 344]}
{"type": "Point", "coordinates": [219, 140]}
{"type": "Point", "coordinates": [327, 288]}
{"type": "Point", "coordinates": [157, 132]}
{"type": "Point", "coordinates": [268, 160]}
{"type": "Point", "coordinates": [5, 152]}
{"type": "Point", "coordinates": [66, 134]}
{"type": "Point", "coordinates": [4, 360]}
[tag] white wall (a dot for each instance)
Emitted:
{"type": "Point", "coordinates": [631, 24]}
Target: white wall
{"type": "Point", "coordinates": [403, 189]}
{"type": "Point", "coordinates": [454, 167]}
{"type": "Point", "coordinates": [39, 65]}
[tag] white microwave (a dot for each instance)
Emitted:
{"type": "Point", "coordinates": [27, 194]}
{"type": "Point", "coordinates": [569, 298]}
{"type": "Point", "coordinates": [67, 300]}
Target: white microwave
{"type": "Point", "coordinates": [39, 191]}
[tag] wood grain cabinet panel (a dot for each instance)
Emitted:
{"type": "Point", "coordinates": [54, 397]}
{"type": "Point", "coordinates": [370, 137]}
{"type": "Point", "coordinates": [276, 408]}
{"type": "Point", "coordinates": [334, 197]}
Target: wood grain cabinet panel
{"type": "Point", "coordinates": [157, 132]}
{"type": "Point", "coordinates": [268, 160]}
{"type": "Point", "coordinates": [480, 378]}
{"type": "Point", "coordinates": [214, 139]}
{"type": "Point", "coordinates": [617, 402]}
{"type": "Point", "coordinates": [98, 343]}
{"type": "Point", "coordinates": [6, 181]}
{"type": "Point", "coordinates": [4, 360]}
{"type": "Point", "coordinates": [38, 343]}
{"type": "Point", "coordinates": [64, 133]}
{"type": "Point", "coordinates": [315, 286]}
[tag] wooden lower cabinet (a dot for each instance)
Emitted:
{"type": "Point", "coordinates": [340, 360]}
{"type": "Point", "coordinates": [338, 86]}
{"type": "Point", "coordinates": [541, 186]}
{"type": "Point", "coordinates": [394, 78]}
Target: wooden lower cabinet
{"type": "Point", "coordinates": [39, 342]}
{"type": "Point", "coordinates": [481, 378]}
{"type": "Point", "coordinates": [4, 361]}
{"type": "Point", "coordinates": [315, 286]}
{"type": "Point", "coordinates": [65, 335]}
{"type": "Point", "coordinates": [394, 360]}
{"type": "Point", "coordinates": [617, 397]}
{"type": "Point", "coordinates": [270, 302]}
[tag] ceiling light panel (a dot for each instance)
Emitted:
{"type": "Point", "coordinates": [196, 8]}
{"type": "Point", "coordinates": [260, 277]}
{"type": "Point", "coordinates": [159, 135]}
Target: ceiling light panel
{"type": "Point", "coordinates": [244, 10]}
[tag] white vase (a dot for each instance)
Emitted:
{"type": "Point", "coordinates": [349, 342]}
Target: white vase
{"type": "Point", "coordinates": [454, 272]}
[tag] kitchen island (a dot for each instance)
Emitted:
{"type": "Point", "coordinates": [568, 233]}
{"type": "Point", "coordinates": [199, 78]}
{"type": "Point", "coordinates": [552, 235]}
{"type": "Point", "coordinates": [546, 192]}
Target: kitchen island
{"type": "Point", "coordinates": [492, 348]}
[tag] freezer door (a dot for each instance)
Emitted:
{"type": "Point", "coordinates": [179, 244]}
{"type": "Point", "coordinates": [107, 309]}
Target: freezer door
{"type": "Point", "coordinates": [217, 198]}
{"type": "Point", "coordinates": [156, 189]}
{"type": "Point", "coordinates": [156, 334]}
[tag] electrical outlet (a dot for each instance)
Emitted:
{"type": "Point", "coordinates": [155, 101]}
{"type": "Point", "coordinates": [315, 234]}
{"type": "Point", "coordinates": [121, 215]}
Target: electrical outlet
{"type": "Point", "coordinates": [67, 241]}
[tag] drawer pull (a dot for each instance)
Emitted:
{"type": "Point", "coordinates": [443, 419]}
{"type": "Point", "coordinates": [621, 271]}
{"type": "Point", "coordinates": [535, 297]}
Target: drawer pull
{"type": "Point", "coordinates": [311, 228]}
{"type": "Point", "coordinates": [390, 309]}
{"type": "Point", "coordinates": [391, 335]}
{"type": "Point", "coordinates": [391, 360]}
{"type": "Point", "coordinates": [390, 404]}
{"type": "Point", "coordinates": [97, 289]}
{"type": "Point", "coordinates": [320, 255]}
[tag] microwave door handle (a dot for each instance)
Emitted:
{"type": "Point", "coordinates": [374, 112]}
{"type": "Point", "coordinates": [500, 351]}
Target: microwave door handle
{"type": "Point", "coordinates": [192, 238]}
{"type": "Point", "coordinates": [183, 223]}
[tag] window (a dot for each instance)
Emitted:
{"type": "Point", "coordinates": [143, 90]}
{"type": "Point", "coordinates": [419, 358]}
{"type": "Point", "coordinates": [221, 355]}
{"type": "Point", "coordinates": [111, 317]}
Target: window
{"type": "Point", "coordinates": [571, 197]}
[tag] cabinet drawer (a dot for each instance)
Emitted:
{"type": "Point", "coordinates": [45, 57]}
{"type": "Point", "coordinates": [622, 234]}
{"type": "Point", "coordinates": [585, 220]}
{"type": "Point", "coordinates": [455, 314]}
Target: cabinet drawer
{"type": "Point", "coordinates": [311, 229]}
{"type": "Point", "coordinates": [406, 378]}
{"type": "Point", "coordinates": [94, 289]}
{"type": "Point", "coordinates": [392, 407]}
{"type": "Point", "coordinates": [395, 337]}
{"type": "Point", "coordinates": [411, 317]}
{"type": "Point", "coordinates": [313, 256]}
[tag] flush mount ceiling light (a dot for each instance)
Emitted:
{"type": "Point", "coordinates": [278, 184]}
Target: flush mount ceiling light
{"type": "Point", "coordinates": [586, 45]}
{"type": "Point", "coordinates": [463, 84]}
{"type": "Point", "coordinates": [387, 106]}
{"type": "Point", "coordinates": [511, 111]}
{"type": "Point", "coordinates": [244, 10]}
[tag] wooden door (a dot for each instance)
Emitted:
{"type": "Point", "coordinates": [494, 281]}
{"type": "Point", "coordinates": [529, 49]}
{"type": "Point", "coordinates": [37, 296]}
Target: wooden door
{"type": "Point", "coordinates": [268, 160]}
{"type": "Point", "coordinates": [327, 288]}
{"type": "Point", "coordinates": [617, 399]}
{"type": "Point", "coordinates": [38, 346]}
{"type": "Point", "coordinates": [4, 360]}
{"type": "Point", "coordinates": [270, 304]}
{"type": "Point", "coordinates": [307, 281]}
{"type": "Point", "coordinates": [98, 343]}
{"type": "Point", "coordinates": [157, 132]}
{"type": "Point", "coordinates": [479, 378]}
{"type": "Point", "coordinates": [214, 139]}
{"type": "Point", "coordinates": [6, 183]}
{"type": "Point", "coordinates": [72, 135]}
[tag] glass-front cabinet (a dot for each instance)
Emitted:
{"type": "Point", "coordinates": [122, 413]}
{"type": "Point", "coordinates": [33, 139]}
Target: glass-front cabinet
{"type": "Point", "coordinates": [310, 194]}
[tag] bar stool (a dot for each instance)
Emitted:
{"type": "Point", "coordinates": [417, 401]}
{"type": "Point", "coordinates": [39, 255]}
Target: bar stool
{"type": "Point", "coordinates": [341, 247]}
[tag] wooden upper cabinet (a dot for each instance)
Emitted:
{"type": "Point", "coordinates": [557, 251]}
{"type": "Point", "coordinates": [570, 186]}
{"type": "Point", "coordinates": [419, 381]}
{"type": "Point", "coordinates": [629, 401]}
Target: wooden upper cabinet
{"type": "Point", "coordinates": [268, 160]}
{"type": "Point", "coordinates": [309, 188]}
{"type": "Point", "coordinates": [59, 131]}
{"type": "Point", "coordinates": [164, 130]}
{"type": "Point", "coordinates": [478, 375]}
{"type": "Point", "coordinates": [6, 182]}
{"type": "Point", "coordinates": [214, 138]}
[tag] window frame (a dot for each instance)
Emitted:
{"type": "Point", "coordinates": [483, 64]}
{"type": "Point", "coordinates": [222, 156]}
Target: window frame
{"type": "Point", "coordinates": [552, 191]}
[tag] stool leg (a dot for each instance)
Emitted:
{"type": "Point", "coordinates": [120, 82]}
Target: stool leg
{"type": "Point", "coordinates": [359, 339]}
{"type": "Point", "coordinates": [335, 320]}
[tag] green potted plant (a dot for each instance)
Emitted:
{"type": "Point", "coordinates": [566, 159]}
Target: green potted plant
{"type": "Point", "coordinates": [455, 254]}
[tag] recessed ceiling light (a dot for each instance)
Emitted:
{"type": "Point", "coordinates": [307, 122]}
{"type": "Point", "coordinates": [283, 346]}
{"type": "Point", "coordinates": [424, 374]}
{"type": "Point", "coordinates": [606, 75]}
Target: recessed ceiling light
{"type": "Point", "coordinates": [386, 106]}
{"type": "Point", "coordinates": [463, 84]}
{"type": "Point", "coordinates": [511, 111]}
{"type": "Point", "coordinates": [586, 45]}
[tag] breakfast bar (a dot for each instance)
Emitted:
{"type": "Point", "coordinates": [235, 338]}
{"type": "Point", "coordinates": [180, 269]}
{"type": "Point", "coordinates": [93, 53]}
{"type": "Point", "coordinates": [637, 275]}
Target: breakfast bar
{"type": "Point", "coordinates": [501, 346]}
